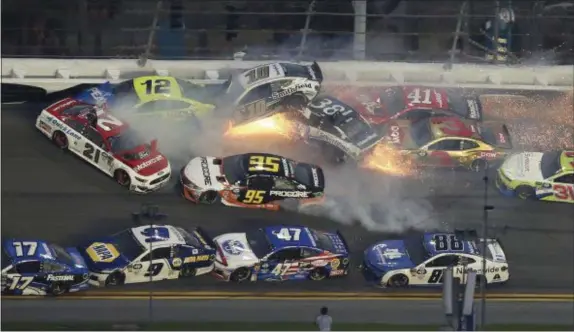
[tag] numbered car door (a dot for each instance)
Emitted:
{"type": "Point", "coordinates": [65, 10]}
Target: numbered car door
{"type": "Point", "coordinates": [563, 188]}
{"type": "Point", "coordinates": [94, 150]}
{"type": "Point", "coordinates": [284, 264]}
{"type": "Point", "coordinates": [257, 190]}
{"type": "Point", "coordinates": [434, 268]}
{"type": "Point", "coordinates": [152, 266]}
{"type": "Point", "coordinates": [24, 277]}
{"type": "Point", "coordinates": [253, 105]}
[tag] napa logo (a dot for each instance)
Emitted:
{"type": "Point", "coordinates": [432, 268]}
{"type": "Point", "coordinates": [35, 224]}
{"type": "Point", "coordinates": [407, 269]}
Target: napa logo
{"type": "Point", "coordinates": [102, 252]}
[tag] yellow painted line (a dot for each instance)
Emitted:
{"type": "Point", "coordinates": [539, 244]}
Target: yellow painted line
{"type": "Point", "coordinates": [250, 298]}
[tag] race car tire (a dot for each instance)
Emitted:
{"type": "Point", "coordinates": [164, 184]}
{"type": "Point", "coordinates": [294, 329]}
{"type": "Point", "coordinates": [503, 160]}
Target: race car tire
{"type": "Point", "coordinates": [187, 271]}
{"type": "Point", "coordinates": [318, 274]}
{"type": "Point", "coordinates": [209, 197]}
{"type": "Point", "coordinates": [479, 165]}
{"type": "Point", "coordinates": [525, 192]}
{"type": "Point", "coordinates": [333, 155]}
{"type": "Point", "coordinates": [115, 279]}
{"type": "Point", "coordinates": [60, 139]}
{"type": "Point", "coordinates": [122, 178]}
{"type": "Point", "coordinates": [56, 289]}
{"type": "Point", "coordinates": [241, 274]}
{"type": "Point", "coordinates": [398, 280]}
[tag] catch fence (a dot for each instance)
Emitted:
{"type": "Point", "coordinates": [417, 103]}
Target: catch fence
{"type": "Point", "coordinates": [385, 30]}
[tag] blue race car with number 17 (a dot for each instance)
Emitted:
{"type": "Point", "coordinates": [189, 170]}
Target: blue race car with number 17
{"type": "Point", "coordinates": [420, 260]}
{"type": "Point", "coordinates": [280, 253]}
{"type": "Point", "coordinates": [31, 267]}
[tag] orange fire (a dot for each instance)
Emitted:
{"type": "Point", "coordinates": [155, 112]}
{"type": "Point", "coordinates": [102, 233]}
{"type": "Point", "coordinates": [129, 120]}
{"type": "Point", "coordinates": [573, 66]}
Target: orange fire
{"type": "Point", "coordinates": [274, 125]}
{"type": "Point", "coordinates": [386, 160]}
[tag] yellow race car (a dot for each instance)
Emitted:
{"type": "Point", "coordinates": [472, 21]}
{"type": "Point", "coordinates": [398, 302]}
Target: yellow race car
{"type": "Point", "coordinates": [547, 176]}
{"type": "Point", "coordinates": [449, 142]}
{"type": "Point", "coordinates": [158, 96]}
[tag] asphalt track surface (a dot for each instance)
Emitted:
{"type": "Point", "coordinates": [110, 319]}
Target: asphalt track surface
{"type": "Point", "coordinates": [57, 197]}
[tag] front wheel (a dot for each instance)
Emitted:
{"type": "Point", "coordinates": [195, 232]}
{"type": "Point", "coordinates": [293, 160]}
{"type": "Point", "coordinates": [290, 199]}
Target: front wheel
{"type": "Point", "coordinates": [115, 279]}
{"type": "Point", "coordinates": [399, 280]}
{"type": "Point", "coordinates": [60, 139]}
{"type": "Point", "coordinates": [56, 289]}
{"type": "Point", "coordinates": [525, 192]}
{"type": "Point", "coordinates": [240, 275]}
{"type": "Point", "coordinates": [122, 178]}
{"type": "Point", "coordinates": [187, 271]}
{"type": "Point", "coordinates": [318, 274]}
{"type": "Point", "coordinates": [479, 165]}
{"type": "Point", "coordinates": [209, 197]}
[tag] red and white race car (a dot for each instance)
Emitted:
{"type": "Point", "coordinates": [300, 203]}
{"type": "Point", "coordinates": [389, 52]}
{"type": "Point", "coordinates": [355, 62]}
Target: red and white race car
{"type": "Point", "coordinates": [107, 143]}
{"type": "Point", "coordinates": [412, 103]}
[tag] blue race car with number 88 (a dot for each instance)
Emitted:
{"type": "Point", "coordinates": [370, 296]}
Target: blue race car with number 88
{"type": "Point", "coordinates": [280, 253]}
{"type": "Point", "coordinates": [420, 260]}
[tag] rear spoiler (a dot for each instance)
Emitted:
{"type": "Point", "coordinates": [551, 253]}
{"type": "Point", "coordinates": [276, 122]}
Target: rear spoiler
{"type": "Point", "coordinates": [204, 237]}
{"type": "Point", "coordinates": [497, 129]}
{"type": "Point", "coordinates": [317, 71]}
{"type": "Point", "coordinates": [343, 240]}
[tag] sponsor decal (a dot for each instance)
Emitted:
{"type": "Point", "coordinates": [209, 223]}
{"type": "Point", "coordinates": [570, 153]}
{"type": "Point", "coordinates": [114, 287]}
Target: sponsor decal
{"type": "Point", "coordinates": [312, 73]}
{"type": "Point", "coordinates": [501, 138]}
{"type": "Point", "coordinates": [335, 263]}
{"type": "Point", "coordinates": [52, 277]}
{"type": "Point", "coordinates": [527, 162]}
{"type": "Point", "coordinates": [65, 129]}
{"type": "Point", "coordinates": [304, 86]}
{"type": "Point", "coordinates": [290, 194]}
{"type": "Point", "coordinates": [205, 170]}
{"type": "Point", "coordinates": [345, 261]}
{"type": "Point", "coordinates": [137, 266]}
{"type": "Point", "coordinates": [99, 96]}
{"type": "Point", "coordinates": [285, 93]}
{"type": "Point", "coordinates": [472, 109]}
{"type": "Point", "coordinates": [196, 259]}
{"type": "Point", "coordinates": [102, 252]}
{"type": "Point", "coordinates": [64, 105]}
{"type": "Point", "coordinates": [315, 177]}
{"type": "Point", "coordinates": [276, 69]}
{"type": "Point", "coordinates": [438, 98]}
{"type": "Point", "coordinates": [395, 134]}
{"type": "Point", "coordinates": [338, 272]}
{"type": "Point", "coordinates": [148, 163]}
{"type": "Point", "coordinates": [233, 247]}
{"type": "Point", "coordinates": [462, 270]}
{"type": "Point", "coordinates": [176, 262]}
{"type": "Point", "coordinates": [366, 140]}
{"type": "Point", "coordinates": [44, 126]}
{"type": "Point", "coordinates": [488, 154]}
{"type": "Point", "coordinates": [285, 166]}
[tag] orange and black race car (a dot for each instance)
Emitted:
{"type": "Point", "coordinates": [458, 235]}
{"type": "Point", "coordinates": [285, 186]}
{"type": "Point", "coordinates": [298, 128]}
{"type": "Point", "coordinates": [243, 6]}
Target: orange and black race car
{"type": "Point", "coordinates": [253, 180]}
{"type": "Point", "coordinates": [450, 142]}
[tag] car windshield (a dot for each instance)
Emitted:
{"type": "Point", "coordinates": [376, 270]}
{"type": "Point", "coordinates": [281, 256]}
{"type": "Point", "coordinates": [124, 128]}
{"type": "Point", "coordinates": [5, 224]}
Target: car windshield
{"type": "Point", "coordinates": [293, 70]}
{"type": "Point", "coordinates": [323, 241]}
{"type": "Point", "coordinates": [62, 255]}
{"type": "Point", "coordinates": [259, 242]}
{"type": "Point", "coordinates": [392, 100]}
{"type": "Point", "coordinates": [204, 93]}
{"type": "Point", "coordinates": [421, 133]}
{"type": "Point", "coordinates": [415, 249]}
{"type": "Point", "coordinates": [189, 239]}
{"type": "Point", "coordinates": [127, 245]}
{"type": "Point", "coordinates": [129, 139]}
{"type": "Point", "coordinates": [550, 163]}
{"type": "Point", "coordinates": [233, 169]}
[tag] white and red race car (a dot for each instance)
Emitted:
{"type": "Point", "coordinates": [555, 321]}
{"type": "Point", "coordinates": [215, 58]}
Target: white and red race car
{"type": "Point", "coordinates": [107, 143]}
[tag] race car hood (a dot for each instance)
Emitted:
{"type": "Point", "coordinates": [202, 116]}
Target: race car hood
{"type": "Point", "coordinates": [235, 249]}
{"type": "Point", "coordinates": [99, 95]}
{"type": "Point", "coordinates": [496, 251]}
{"type": "Point", "coordinates": [103, 256]}
{"type": "Point", "coordinates": [523, 166]}
{"type": "Point", "coordinates": [388, 255]}
{"type": "Point", "coordinates": [153, 163]}
{"type": "Point", "coordinates": [204, 173]}
{"type": "Point", "coordinates": [398, 134]}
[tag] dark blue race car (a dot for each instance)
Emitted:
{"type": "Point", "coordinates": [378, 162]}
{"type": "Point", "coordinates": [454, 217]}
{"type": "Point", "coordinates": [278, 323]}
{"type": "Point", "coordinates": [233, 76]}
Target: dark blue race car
{"type": "Point", "coordinates": [281, 253]}
{"type": "Point", "coordinates": [31, 267]}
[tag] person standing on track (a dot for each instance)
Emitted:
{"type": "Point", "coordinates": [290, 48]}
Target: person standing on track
{"type": "Point", "coordinates": [324, 321]}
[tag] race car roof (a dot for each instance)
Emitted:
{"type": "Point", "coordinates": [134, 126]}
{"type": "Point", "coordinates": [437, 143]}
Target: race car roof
{"type": "Point", "coordinates": [432, 246]}
{"type": "Point", "coordinates": [158, 234]}
{"type": "Point", "coordinates": [299, 237]}
{"type": "Point", "coordinates": [28, 249]}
